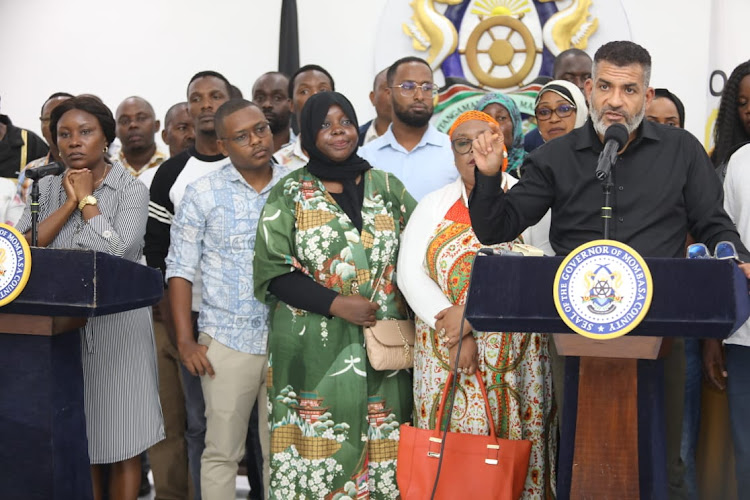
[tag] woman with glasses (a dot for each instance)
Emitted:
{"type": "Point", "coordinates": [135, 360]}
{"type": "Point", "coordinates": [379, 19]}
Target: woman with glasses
{"type": "Point", "coordinates": [437, 252]}
{"type": "Point", "coordinates": [559, 108]}
{"type": "Point", "coordinates": [325, 257]}
{"type": "Point", "coordinates": [505, 112]}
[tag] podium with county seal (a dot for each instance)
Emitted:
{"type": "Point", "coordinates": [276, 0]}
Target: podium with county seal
{"type": "Point", "coordinates": [43, 444]}
{"type": "Point", "coordinates": [612, 437]}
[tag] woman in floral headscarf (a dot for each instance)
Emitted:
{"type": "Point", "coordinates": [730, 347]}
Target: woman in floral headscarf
{"type": "Point", "coordinates": [505, 112]}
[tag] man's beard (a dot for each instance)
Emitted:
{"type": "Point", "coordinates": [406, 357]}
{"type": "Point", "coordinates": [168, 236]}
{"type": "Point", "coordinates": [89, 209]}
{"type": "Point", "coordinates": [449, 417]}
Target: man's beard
{"type": "Point", "coordinates": [137, 149]}
{"type": "Point", "coordinates": [411, 119]}
{"type": "Point", "coordinates": [278, 123]}
{"type": "Point", "coordinates": [631, 122]}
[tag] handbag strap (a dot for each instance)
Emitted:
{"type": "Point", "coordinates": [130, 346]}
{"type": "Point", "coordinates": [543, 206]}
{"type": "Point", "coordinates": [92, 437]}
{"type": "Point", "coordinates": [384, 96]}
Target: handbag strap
{"type": "Point", "coordinates": [444, 399]}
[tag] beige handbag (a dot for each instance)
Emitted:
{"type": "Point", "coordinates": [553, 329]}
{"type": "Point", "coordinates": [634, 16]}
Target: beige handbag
{"type": "Point", "coordinates": [390, 343]}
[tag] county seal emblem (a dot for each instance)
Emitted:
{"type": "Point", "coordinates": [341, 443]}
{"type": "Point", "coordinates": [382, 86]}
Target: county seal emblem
{"type": "Point", "coordinates": [603, 289]}
{"type": "Point", "coordinates": [476, 46]}
{"type": "Point", "coordinates": [15, 263]}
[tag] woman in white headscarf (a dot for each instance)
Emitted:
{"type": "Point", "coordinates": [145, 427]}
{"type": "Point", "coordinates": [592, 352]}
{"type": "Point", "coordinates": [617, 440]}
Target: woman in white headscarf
{"type": "Point", "coordinates": [559, 108]}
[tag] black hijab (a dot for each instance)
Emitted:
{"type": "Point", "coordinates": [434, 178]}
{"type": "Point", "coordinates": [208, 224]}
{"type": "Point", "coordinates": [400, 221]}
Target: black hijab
{"type": "Point", "coordinates": [346, 172]}
{"type": "Point", "coordinates": [677, 103]}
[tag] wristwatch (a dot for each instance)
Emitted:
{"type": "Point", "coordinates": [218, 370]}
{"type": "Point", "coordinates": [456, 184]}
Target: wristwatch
{"type": "Point", "coordinates": [87, 200]}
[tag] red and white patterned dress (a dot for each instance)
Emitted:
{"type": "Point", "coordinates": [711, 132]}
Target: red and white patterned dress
{"type": "Point", "coordinates": [515, 366]}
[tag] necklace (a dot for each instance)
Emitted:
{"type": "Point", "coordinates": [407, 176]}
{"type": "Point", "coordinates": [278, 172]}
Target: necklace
{"type": "Point", "coordinates": [106, 171]}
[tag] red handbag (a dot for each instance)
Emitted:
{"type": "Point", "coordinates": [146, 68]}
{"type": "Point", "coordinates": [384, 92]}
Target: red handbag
{"type": "Point", "coordinates": [473, 467]}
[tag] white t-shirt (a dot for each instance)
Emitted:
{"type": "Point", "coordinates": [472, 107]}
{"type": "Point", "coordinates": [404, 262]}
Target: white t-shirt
{"type": "Point", "coordinates": [737, 205]}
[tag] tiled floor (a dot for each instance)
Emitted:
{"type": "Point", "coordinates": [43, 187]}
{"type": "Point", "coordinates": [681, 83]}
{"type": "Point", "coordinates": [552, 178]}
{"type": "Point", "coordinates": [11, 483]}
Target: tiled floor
{"type": "Point", "coordinates": [242, 488]}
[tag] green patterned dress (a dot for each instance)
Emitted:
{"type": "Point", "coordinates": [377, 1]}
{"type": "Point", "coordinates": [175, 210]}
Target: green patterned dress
{"type": "Point", "coordinates": [334, 420]}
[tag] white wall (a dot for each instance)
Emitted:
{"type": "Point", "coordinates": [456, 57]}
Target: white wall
{"type": "Point", "coordinates": [152, 47]}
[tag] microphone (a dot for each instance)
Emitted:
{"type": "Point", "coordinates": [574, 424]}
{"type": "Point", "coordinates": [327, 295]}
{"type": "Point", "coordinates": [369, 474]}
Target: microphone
{"type": "Point", "coordinates": [615, 138]}
{"type": "Point", "coordinates": [37, 173]}
{"type": "Point", "coordinates": [499, 251]}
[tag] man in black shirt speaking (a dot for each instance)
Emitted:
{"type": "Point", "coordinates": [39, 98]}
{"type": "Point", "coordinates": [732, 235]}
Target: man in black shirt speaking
{"type": "Point", "coordinates": [664, 184]}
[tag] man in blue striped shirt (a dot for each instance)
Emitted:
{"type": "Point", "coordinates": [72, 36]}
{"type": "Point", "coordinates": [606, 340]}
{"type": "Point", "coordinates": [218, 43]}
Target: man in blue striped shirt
{"type": "Point", "coordinates": [214, 231]}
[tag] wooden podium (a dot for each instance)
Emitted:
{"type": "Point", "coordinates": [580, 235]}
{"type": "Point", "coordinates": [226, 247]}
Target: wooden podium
{"type": "Point", "coordinates": [612, 434]}
{"type": "Point", "coordinates": [43, 444]}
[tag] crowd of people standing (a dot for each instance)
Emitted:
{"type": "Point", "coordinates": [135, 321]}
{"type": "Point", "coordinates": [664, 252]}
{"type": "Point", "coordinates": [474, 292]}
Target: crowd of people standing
{"type": "Point", "coordinates": [280, 246]}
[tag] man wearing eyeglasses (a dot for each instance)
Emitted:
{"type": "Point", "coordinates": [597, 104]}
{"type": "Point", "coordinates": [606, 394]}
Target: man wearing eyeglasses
{"type": "Point", "coordinates": [412, 149]}
{"type": "Point", "coordinates": [214, 229]}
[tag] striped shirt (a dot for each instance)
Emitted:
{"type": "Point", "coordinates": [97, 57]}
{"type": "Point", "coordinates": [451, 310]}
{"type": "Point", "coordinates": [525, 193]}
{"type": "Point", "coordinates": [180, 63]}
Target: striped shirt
{"type": "Point", "coordinates": [214, 230]}
{"type": "Point", "coordinates": [121, 399]}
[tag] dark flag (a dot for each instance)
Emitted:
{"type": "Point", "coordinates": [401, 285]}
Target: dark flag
{"type": "Point", "coordinates": [288, 38]}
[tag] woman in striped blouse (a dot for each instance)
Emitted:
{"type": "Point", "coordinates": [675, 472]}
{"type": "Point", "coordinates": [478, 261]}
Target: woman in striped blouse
{"type": "Point", "coordinates": [97, 205]}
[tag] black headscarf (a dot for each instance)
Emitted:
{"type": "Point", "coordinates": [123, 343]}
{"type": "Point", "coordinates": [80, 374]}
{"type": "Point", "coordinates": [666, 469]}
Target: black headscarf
{"type": "Point", "coordinates": [346, 172]}
{"type": "Point", "coordinates": [677, 103]}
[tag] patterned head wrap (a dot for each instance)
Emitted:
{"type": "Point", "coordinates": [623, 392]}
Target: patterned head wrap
{"type": "Point", "coordinates": [470, 115]}
{"type": "Point", "coordinates": [516, 152]}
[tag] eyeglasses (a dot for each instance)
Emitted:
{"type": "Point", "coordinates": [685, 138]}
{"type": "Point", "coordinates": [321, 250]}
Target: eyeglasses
{"type": "Point", "coordinates": [563, 111]}
{"type": "Point", "coordinates": [725, 250]}
{"type": "Point", "coordinates": [461, 146]}
{"type": "Point", "coordinates": [698, 251]}
{"type": "Point", "coordinates": [260, 131]}
{"type": "Point", "coordinates": [409, 88]}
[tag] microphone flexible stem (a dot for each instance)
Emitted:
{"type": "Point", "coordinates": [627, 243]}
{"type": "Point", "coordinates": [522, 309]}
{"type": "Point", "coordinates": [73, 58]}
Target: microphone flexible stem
{"type": "Point", "coordinates": [34, 213]}
{"type": "Point", "coordinates": [606, 207]}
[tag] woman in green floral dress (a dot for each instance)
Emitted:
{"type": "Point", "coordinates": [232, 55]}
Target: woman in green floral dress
{"type": "Point", "coordinates": [328, 232]}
